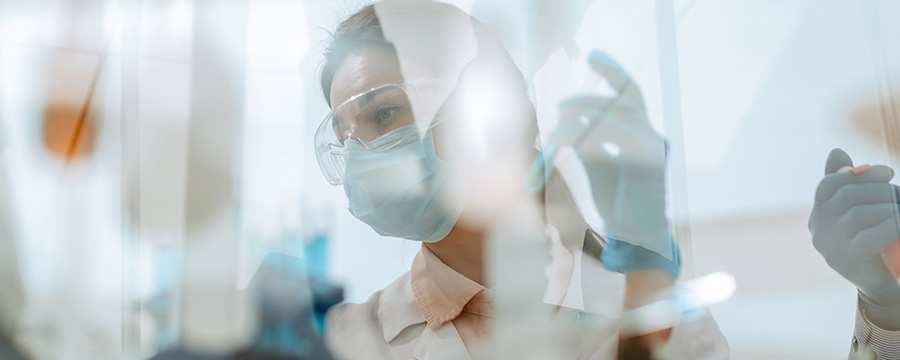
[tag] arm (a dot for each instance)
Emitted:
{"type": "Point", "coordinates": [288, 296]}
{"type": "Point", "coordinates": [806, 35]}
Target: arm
{"type": "Point", "coordinates": [871, 338]}
{"type": "Point", "coordinates": [854, 219]}
{"type": "Point", "coordinates": [625, 159]}
{"type": "Point", "coordinates": [639, 287]}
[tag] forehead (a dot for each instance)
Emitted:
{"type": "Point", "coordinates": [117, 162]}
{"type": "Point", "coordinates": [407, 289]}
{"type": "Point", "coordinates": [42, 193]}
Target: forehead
{"type": "Point", "coordinates": [362, 70]}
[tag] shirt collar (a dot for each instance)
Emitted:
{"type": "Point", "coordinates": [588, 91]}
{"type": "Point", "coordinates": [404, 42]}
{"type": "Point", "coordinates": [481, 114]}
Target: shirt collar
{"type": "Point", "coordinates": [441, 292]}
{"type": "Point", "coordinates": [397, 308]}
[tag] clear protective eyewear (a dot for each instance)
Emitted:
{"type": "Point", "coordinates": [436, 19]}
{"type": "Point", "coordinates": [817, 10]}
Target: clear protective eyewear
{"type": "Point", "coordinates": [368, 116]}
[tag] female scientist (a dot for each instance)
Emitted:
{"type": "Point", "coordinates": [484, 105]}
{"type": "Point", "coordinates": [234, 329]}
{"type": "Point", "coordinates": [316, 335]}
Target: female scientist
{"type": "Point", "coordinates": [431, 133]}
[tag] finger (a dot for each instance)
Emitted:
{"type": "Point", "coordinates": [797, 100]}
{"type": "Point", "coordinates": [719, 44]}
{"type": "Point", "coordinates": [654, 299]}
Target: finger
{"type": "Point", "coordinates": [851, 195]}
{"type": "Point", "coordinates": [875, 239]}
{"type": "Point", "coordinates": [837, 159]}
{"type": "Point", "coordinates": [859, 218]}
{"type": "Point", "coordinates": [595, 105]}
{"type": "Point", "coordinates": [598, 152]}
{"type": "Point", "coordinates": [832, 182]}
{"type": "Point", "coordinates": [859, 169]}
{"type": "Point", "coordinates": [597, 112]}
{"type": "Point", "coordinates": [616, 76]}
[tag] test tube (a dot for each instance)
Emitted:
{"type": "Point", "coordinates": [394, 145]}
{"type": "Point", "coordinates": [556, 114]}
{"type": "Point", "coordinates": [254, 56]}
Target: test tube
{"type": "Point", "coordinates": [543, 164]}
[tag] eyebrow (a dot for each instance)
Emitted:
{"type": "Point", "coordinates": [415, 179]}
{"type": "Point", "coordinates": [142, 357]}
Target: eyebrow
{"type": "Point", "coordinates": [364, 99]}
{"type": "Point", "coordinates": [370, 95]}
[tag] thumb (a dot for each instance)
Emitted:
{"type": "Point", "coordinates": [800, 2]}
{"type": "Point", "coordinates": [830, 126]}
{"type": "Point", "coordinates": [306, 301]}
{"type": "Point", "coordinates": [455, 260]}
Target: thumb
{"type": "Point", "coordinates": [616, 76]}
{"type": "Point", "coordinates": [837, 160]}
{"type": "Point", "coordinates": [611, 70]}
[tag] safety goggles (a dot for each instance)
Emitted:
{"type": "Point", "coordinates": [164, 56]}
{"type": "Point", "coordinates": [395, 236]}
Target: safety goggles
{"type": "Point", "coordinates": [368, 117]}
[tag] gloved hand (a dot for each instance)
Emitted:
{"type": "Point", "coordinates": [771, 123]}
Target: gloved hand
{"type": "Point", "coordinates": [854, 219]}
{"type": "Point", "coordinates": [625, 160]}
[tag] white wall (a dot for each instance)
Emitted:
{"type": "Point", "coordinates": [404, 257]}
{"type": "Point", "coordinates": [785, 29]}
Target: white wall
{"type": "Point", "coordinates": [767, 88]}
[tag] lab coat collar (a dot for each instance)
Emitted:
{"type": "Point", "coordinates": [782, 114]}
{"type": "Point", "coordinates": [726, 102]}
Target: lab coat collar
{"type": "Point", "coordinates": [398, 308]}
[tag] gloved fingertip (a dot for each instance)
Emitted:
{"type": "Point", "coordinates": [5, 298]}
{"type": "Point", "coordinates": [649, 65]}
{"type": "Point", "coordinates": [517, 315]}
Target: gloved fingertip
{"type": "Point", "coordinates": [599, 57]}
{"type": "Point", "coordinates": [837, 159]}
{"type": "Point", "coordinates": [604, 65]}
{"type": "Point", "coordinates": [575, 100]}
{"type": "Point", "coordinates": [860, 169]}
{"type": "Point", "coordinates": [882, 172]}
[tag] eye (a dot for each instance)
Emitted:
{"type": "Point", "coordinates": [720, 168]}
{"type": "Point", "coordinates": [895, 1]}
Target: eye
{"type": "Point", "coordinates": [386, 113]}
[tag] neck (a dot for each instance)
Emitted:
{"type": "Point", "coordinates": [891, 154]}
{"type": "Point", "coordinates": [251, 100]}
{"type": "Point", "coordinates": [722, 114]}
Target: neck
{"type": "Point", "coordinates": [463, 251]}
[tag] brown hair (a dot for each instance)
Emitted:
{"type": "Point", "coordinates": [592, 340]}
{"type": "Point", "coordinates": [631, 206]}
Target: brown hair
{"type": "Point", "coordinates": [360, 29]}
{"type": "Point", "coordinates": [363, 28]}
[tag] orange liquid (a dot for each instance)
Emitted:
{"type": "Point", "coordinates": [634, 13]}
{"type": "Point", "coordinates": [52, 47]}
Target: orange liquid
{"type": "Point", "coordinates": [66, 134]}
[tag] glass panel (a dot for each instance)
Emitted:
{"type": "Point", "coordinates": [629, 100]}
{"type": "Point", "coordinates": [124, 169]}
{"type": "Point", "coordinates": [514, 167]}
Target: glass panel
{"type": "Point", "coordinates": [601, 179]}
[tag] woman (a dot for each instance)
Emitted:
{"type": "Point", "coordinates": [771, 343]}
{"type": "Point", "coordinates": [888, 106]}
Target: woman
{"type": "Point", "coordinates": [431, 134]}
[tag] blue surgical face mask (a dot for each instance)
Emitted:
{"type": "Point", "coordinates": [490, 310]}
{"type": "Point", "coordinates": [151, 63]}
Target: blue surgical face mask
{"type": "Point", "coordinates": [400, 191]}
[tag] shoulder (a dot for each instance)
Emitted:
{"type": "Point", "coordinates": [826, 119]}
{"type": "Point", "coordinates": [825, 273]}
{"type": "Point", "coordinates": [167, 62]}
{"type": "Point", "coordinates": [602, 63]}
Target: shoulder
{"type": "Point", "coordinates": [369, 309]}
{"type": "Point", "coordinates": [354, 328]}
{"type": "Point", "coordinates": [365, 324]}
{"type": "Point", "coordinates": [349, 315]}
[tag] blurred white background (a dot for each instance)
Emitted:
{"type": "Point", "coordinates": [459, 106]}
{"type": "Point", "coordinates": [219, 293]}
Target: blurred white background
{"type": "Point", "coordinates": [767, 88]}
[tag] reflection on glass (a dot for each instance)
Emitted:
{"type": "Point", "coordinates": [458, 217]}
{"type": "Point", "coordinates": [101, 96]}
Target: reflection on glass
{"type": "Point", "coordinates": [502, 179]}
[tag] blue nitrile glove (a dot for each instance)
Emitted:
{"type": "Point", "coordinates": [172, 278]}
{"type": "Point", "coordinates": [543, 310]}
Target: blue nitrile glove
{"type": "Point", "coordinates": [621, 256]}
{"type": "Point", "coordinates": [625, 160]}
{"type": "Point", "coordinates": [853, 221]}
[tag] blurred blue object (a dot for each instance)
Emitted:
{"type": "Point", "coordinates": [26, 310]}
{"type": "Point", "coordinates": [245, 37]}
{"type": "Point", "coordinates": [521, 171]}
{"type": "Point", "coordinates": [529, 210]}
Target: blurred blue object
{"type": "Point", "coordinates": [289, 309]}
{"type": "Point", "coordinates": [292, 306]}
{"type": "Point", "coordinates": [316, 251]}
{"type": "Point", "coordinates": [623, 257]}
